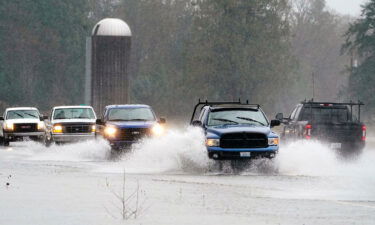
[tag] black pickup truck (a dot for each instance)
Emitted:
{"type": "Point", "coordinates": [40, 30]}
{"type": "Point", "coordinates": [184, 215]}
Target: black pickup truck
{"type": "Point", "coordinates": [337, 124]}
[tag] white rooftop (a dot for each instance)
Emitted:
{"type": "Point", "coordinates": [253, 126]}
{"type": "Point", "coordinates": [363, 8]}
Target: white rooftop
{"type": "Point", "coordinates": [21, 108]}
{"type": "Point", "coordinates": [73, 107]}
{"type": "Point", "coordinates": [111, 27]}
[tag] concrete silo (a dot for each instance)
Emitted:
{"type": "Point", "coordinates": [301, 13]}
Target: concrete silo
{"type": "Point", "coordinates": [107, 60]}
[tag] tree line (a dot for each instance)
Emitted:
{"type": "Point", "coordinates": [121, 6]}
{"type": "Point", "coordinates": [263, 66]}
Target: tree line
{"type": "Point", "coordinates": [272, 52]}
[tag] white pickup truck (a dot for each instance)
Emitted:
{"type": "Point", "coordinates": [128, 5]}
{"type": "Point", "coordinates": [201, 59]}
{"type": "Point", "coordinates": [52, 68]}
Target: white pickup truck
{"type": "Point", "coordinates": [21, 122]}
{"type": "Point", "coordinates": [72, 124]}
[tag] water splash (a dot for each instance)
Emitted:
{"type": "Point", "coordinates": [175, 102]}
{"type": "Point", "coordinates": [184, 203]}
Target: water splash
{"type": "Point", "coordinates": [95, 150]}
{"type": "Point", "coordinates": [178, 151]}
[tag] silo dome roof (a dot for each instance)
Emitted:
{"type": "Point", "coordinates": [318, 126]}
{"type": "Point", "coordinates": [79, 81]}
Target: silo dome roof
{"type": "Point", "coordinates": [111, 27]}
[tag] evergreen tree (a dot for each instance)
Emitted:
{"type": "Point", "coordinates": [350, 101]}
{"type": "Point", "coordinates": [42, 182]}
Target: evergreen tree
{"type": "Point", "coordinates": [360, 40]}
{"type": "Point", "coordinates": [42, 51]}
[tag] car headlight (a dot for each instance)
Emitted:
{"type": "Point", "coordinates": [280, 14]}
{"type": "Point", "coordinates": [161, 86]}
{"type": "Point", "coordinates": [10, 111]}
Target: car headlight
{"type": "Point", "coordinates": [57, 129]}
{"type": "Point", "coordinates": [213, 142]}
{"type": "Point", "coordinates": [110, 131]}
{"type": "Point", "coordinates": [41, 125]}
{"type": "Point", "coordinates": [273, 141]}
{"type": "Point", "coordinates": [8, 126]}
{"type": "Point", "coordinates": [158, 130]}
{"type": "Point", "coordinates": [93, 128]}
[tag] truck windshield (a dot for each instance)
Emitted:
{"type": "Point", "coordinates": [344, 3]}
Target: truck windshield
{"type": "Point", "coordinates": [22, 114]}
{"type": "Point", "coordinates": [237, 116]}
{"type": "Point", "coordinates": [325, 114]}
{"type": "Point", "coordinates": [73, 113]}
{"type": "Point", "coordinates": [131, 114]}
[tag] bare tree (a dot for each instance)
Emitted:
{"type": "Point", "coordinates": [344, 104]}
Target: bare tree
{"type": "Point", "coordinates": [130, 206]}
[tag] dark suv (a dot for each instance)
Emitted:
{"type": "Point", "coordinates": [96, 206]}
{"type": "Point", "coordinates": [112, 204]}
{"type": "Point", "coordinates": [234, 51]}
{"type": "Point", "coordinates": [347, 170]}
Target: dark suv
{"type": "Point", "coordinates": [124, 125]}
{"type": "Point", "coordinates": [236, 130]}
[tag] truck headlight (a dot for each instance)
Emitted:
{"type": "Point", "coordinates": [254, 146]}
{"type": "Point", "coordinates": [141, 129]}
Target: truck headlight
{"type": "Point", "coordinates": [273, 141]}
{"type": "Point", "coordinates": [9, 126]}
{"type": "Point", "coordinates": [93, 128]}
{"type": "Point", "coordinates": [57, 129]}
{"type": "Point", "coordinates": [213, 142]}
{"type": "Point", "coordinates": [158, 129]}
{"type": "Point", "coordinates": [41, 125]}
{"type": "Point", "coordinates": [110, 131]}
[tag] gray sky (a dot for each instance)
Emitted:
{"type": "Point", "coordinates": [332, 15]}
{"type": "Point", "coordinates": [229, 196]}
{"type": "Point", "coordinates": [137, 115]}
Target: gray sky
{"type": "Point", "coordinates": [351, 7]}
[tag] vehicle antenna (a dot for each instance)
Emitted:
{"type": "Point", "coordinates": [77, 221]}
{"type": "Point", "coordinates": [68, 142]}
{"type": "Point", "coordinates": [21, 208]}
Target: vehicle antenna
{"type": "Point", "coordinates": [313, 85]}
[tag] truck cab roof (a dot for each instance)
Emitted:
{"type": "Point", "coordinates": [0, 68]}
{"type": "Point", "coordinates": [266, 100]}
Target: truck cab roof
{"type": "Point", "coordinates": [232, 107]}
{"type": "Point", "coordinates": [21, 108]}
{"type": "Point", "coordinates": [127, 106]}
{"type": "Point", "coordinates": [73, 107]}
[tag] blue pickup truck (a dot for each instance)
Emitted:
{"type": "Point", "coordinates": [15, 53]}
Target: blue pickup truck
{"type": "Point", "coordinates": [124, 125]}
{"type": "Point", "coordinates": [236, 130]}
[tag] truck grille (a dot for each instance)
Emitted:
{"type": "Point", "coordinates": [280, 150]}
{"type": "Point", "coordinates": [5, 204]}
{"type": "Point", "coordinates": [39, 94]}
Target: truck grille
{"type": "Point", "coordinates": [77, 128]}
{"type": "Point", "coordinates": [244, 140]}
{"type": "Point", "coordinates": [133, 134]}
{"type": "Point", "coordinates": [25, 127]}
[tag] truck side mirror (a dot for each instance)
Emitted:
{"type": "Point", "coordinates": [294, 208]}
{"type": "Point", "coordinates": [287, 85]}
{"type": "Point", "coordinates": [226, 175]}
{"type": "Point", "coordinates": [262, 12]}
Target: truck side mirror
{"type": "Point", "coordinates": [99, 122]}
{"type": "Point", "coordinates": [197, 123]}
{"type": "Point", "coordinates": [275, 123]}
{"type": "Point", "coordinates": [162, 121]}
{"type": "Point", "coordinates": [1, 118]}
{"type": "Point", "coordinates": [279, 116]}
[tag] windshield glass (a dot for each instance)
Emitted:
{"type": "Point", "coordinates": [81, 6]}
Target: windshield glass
{"type": "Point", "coordinates": [131, 114]}
{"type": "Point", "coordinates": [73, 113]}
{"type": "Point", "coordinates": [23, 114]}
{"type": "Point", "coordinates": [237, 116]}
{"type": "Point", "coordinates": [326, 114]}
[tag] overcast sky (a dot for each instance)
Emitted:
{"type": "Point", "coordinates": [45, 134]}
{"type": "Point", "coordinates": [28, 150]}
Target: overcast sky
{"type": "Point", "coordinates": [351, 7]}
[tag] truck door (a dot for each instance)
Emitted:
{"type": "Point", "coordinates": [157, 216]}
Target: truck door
{"type": "Point", "coordinates": [296, 126]}
{"type": "Point", "coordinates": [291, 130]}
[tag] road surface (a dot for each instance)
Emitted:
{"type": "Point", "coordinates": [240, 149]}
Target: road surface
{"type": "Point", "coordinates": [171, 181]}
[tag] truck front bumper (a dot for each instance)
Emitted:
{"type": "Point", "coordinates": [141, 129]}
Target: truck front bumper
{"type": "Point", "coordinates": [218, 153]}
{"type": "Point", "coordinates": [118, 145]}
{"type": "Point", "coordinates": [73, 137]}
{"type": "Point", "coordinates": [13, 136]}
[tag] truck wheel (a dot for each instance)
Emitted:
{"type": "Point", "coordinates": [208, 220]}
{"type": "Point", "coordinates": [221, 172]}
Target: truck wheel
{"type": "Point", "coordinates": [5, 142]}
{"type": "Point", "coordinates": [239, 165]}
{"type": "Point", "coordinates": [216, 166]}
{"type": "Point", "coordinates": [47, 141]}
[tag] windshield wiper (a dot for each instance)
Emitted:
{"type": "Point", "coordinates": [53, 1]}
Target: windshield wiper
{"type": "Point", "coordinates": [225, 120]}
{"type": "Point", "coordinates": [118, 120]}
{"type": "Point", "coordinates": [138, 120]}
{"type": "Point", "coordinates": [20, 115]}
{"type": "Point", "coordinates": [31, 115]}
{"type": "Point", "coordinates": [249, 119]}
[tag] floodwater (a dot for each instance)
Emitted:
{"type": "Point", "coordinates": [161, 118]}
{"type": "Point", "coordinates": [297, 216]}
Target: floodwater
{"type": "Point", "coordinates": [170, 180]}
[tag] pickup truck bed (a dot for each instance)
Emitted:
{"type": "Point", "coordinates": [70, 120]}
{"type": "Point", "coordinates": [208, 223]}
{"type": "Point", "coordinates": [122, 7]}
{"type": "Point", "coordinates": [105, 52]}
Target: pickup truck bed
{"type": "Point", "coordinates": [332, 123]}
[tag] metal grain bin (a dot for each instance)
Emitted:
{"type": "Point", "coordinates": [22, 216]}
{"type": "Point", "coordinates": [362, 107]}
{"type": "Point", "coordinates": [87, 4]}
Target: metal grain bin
{"type": "Point", "coordinates": [108, 55]}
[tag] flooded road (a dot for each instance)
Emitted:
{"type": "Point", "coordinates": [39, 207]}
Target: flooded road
{"type": "Point", "coordinates": [170, 181]}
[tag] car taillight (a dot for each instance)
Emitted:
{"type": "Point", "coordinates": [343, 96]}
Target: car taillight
{"type": "Point", "coordinates": [308, 128]}
{"type": "Point", "coordinates": [364, 133]}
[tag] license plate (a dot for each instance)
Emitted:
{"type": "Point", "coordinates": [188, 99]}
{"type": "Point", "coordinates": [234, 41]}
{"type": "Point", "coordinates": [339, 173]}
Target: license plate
{"type": "Point", "coordinates": [25, 127]}
{"type": "Point", "coordinates": [335, 145]}
{"type": "Point", "coordinates": [245, 154]}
